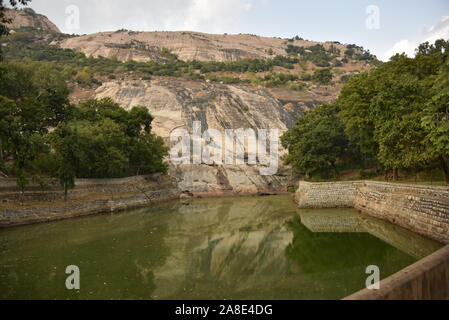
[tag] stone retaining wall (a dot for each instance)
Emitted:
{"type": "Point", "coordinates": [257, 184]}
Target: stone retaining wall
{"type": "Point", "coordinates": [11, 218]}
{"type": "Point", "coordinates": [428, 279]}
{"type": "Point", "coordinates": [89, 197]}
{"type": "Point", "coordinates": [421, 209]}
{"type": "Point", "coordinates": [9, 185]}
{"type": "Point", "coordinates": [93, 196]}
{"type": "Point", "coordinates": [326, 195]}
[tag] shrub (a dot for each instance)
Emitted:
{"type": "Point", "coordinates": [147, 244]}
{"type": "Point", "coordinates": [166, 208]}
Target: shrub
{"type": "Point", "coordinates": [306, 77]}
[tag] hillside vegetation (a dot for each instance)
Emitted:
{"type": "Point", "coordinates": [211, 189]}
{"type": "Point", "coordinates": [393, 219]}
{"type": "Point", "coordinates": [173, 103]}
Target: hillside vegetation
{"type": "Point", "coordinates": [296, 68]}
{"type": "Point", "coordinates": [42, 135]}
{"type": "Point", "coordinates": [395, 117]}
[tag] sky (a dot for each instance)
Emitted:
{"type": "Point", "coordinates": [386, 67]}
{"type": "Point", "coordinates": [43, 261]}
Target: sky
{"type": "Point", "coordinates": [385, 27]}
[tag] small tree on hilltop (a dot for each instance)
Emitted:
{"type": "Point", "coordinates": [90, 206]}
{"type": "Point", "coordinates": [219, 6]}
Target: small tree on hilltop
{"type": "Point", "coordinates": [323, 76]}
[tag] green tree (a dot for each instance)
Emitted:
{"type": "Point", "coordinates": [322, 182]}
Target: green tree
{"type": "Point", "coordinates": [317, 142]}
{"type": "Point", "coordinates": [138, 121]}
{"type": "Point", "coordinates": [383, 113]}
{"type": "Point", "coordinates": [436, 119]}
{"type": "Point", "coordinates": [323, 76]}
{"type": "Point", "coordinates": [356, 113]}
{"type": "Point", "coordinates": [101, 149]}
{"type": "Point", "coordinates": [33, 98]}
{"type": "Point", "coordinates": [25, 148]}
{"type": "Point", "coordinates": [66, 147]}
{"type": "Point", "coordinates": [110, 141]}
{"type": "Point", "coordinates": [95, 110]}
{"type": "Point", "coordinates": [398, 130]}
{"type": "Point", "coordinates": [7, 126]}
{"type": "Point", "coordinates": [39, 92]}
{"type": "Point", "coordinates": [147, 155]}
{"type": "Point", "coordinates": [349, 52]}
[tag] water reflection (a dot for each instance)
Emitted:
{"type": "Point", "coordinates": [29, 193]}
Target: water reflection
{"type": "Point", "coordinates": [350, 221]}
{"type": "Point", "coordinates": [245, 248]}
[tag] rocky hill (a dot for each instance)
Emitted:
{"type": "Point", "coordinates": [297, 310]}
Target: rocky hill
{"type": "Point", "coordinates": [143, 46]}
{"type": "Point", "coordinates": [29, 18]}
{"type": "Point", "coordinates": [176, 103]}
{"type": "Point", "coordinates": [128, 45]}
{"type": "Point", "coordinates": [223, 81]}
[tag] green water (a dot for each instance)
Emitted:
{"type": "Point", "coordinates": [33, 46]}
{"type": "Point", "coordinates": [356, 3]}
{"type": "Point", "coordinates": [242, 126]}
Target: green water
{"type": "Point", "coordinates": [241, 248]}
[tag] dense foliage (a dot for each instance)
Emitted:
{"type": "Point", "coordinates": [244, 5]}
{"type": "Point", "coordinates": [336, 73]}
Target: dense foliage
{"type": "Point", "coordinates": [317, 142]}
{"type": "Point", "coordinates": [323, 76]}
{"type": "Point", "coordinates": [317, 54]}
{"type": "Point", "coordinates": [42, 134]}
{"type": "Point", "coordinates": [396, 114]}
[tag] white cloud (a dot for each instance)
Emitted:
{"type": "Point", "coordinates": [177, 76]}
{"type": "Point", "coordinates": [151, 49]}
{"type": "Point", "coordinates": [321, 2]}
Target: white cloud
{"type": "Point", "coordinates": [215, 15]}
{"type": "Point", "coordinates": [147, 15]}
{"type": "Point", "coordinates": [435, 32]}
{"type": "Point", "coordinates": [402, 46]}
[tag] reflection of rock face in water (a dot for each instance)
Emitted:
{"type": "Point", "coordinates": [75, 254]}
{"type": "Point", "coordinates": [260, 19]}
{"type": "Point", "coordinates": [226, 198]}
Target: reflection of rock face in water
{"type": "Point", "coordinates": [218, 244]}
{"type": "Point", "coordinates": [228, 248]}
{"type": "Point", "coordinates": [242, 246]}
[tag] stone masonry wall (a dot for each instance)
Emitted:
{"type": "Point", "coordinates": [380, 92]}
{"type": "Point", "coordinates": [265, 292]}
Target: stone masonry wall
{"type": "Point", "coordinates": [421, 209]}
{"type": "Point", "coordinates": [92, 196]}
{"type": "Point", "coordinates": [428, 279]}
{"type": "Point", "coordinates": [89, 197]}
{"type": "Point", "coordinates": [326, 195]}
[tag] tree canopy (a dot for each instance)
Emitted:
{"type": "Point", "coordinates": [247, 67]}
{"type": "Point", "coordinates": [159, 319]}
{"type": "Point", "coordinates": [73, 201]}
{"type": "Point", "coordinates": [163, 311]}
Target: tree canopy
{"type": "Point", "coordinates": [41, 133]}
{"type": "Point", "coordinates": [397, 114]}
{"type": "Point", "coordinates": [317, 142]}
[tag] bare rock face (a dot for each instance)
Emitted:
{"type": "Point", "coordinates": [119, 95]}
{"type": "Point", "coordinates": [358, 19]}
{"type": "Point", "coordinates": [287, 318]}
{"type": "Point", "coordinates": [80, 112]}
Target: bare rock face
{"type": "Point", "coordinates": [229, 180]}
{"type": "Point", "coordinates": [177, 104]}
{"type": "Point", "coordinates": [29, 18]}
{"type": "Point", "coordinates": [163, 102]}
{"type": "Point", "coordinates": [145, 46]}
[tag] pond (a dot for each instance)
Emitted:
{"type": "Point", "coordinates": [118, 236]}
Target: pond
{"type": "Point", "coordinates": [228, 248]}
